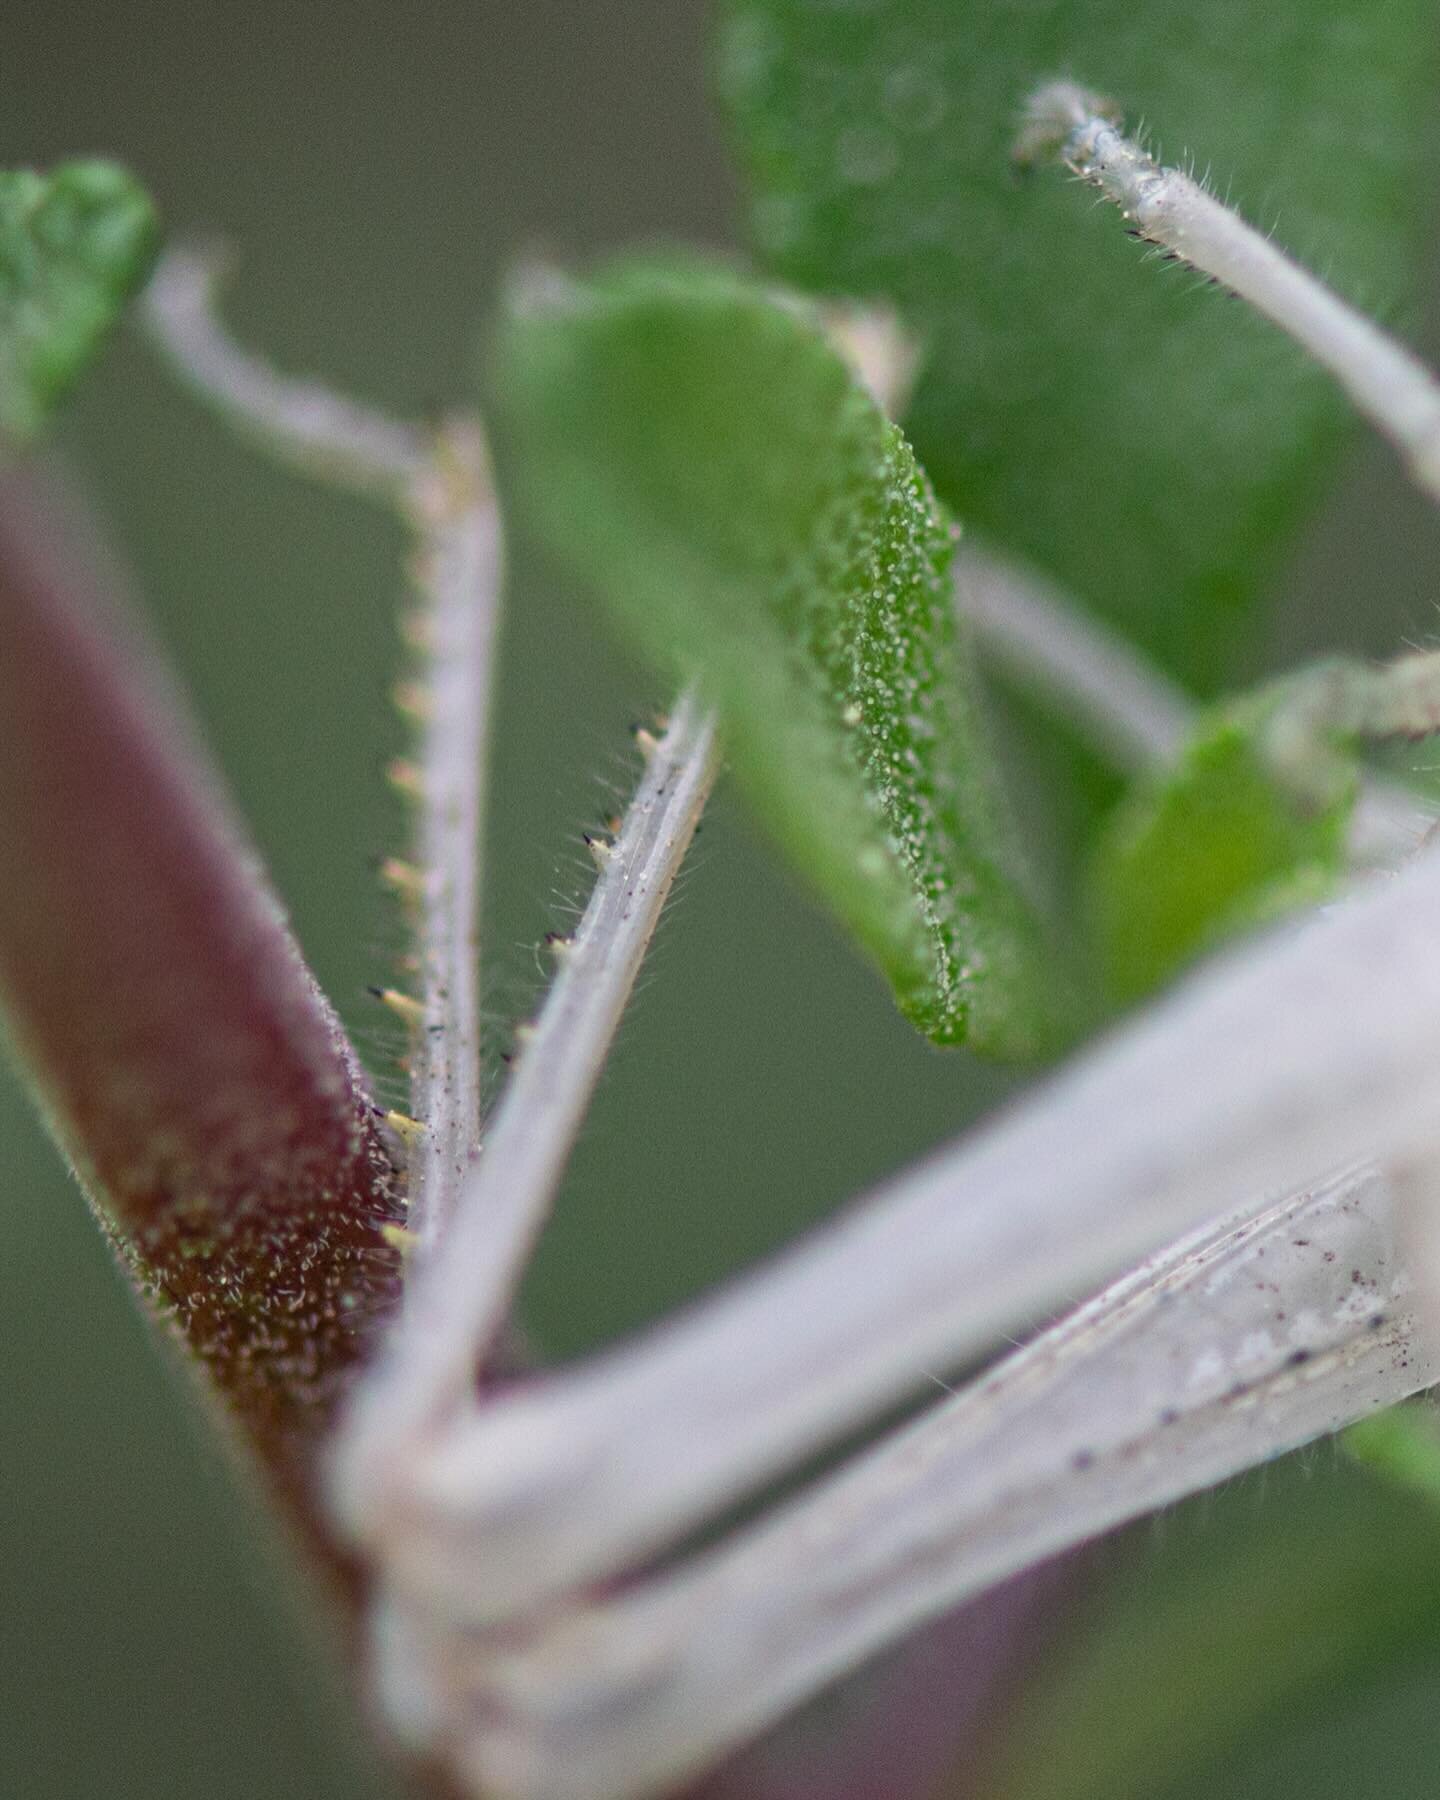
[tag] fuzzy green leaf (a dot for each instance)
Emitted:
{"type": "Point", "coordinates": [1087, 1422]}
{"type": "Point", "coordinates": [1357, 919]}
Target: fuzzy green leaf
{"type": "Point", "coordinates": [74, 245]}
{"type": "Point", "coordinates": [1217, 843]}
{"type": "Point", "coordinates": [1147, 444]}
{"type": "Point", "coordinates": [694, 448]}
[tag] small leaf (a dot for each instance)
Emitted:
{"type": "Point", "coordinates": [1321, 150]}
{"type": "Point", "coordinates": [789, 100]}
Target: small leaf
{"type": "Point", "coordinates": [1216, 844]}
{"type": "Point", "coordinates": [74, 245]}
{"type": "Point", "coordinates": [1147, 444]}
{"type": "Point", "coordinates": [693, 446]}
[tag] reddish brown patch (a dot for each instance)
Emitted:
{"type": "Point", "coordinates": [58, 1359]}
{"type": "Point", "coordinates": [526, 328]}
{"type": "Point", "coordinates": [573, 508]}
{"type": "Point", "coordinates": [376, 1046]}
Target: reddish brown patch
{"type": "Point", "coordinates": [185, 1057]}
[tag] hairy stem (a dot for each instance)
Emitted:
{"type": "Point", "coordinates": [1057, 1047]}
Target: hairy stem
{"type": "Point", "coordinates": [1208, 1097]}
{"type": "Point", "coordinates": [460, 1295]}
{"type": "Point", "coordinates": [1386, 382]}
{"type": "Point", "coordinates": [188, 1064]}
{"type": "Point", "coordinates": [443, 488]}
{"type": "Point", "coordinates": [458, 575]}
{"type": "Point", "coordinates": [1249, 1339]}
{"type": "Point", "coordinates": [300, 422]}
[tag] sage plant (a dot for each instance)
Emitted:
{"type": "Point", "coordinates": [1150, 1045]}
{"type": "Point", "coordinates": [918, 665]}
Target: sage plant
{"type": "Point", "coordinates": [1207, 1228]}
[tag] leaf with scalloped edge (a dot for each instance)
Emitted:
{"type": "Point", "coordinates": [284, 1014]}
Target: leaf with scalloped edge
{"type": "Point", "coordinates": [74, 245]}
{"type": "Point", "coordinates": [1148, 444]}
{"type": "Point", "coordinates": [693, 447]}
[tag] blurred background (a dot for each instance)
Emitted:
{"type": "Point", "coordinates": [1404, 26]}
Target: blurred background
{"type": "Point", "coordinates": [376, 169]}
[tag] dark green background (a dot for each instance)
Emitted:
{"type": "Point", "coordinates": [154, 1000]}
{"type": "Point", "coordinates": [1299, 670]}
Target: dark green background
{"type": "Point", "coordinates": [376, 167]}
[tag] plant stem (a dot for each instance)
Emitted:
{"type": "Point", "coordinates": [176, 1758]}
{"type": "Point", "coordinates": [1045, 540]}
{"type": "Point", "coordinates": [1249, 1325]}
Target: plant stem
{"type": "Point", "coordinates": [1247, 1340]}
{"type": "Point", "coordinates": [458, 573]}
{"type": "Point", "coordinates": [186, 1060]}
{"type": "Point", "coordinates": [460, 1294]}
{"type": "Point", "coordinates": [443, 487]}
{"type": "Point", "coordinates": [1136, 714]}
{"type": "Point", "coordinates": [301, 423]}
{"type": "Point", "coordinates": [508, 1195]}
{"type": "Point", "coordinates": [1208, 1096]}
{"type": "Point", "coordinates": [1132, 711]}
{"type": "Point", "coordinates": [1386, 382]}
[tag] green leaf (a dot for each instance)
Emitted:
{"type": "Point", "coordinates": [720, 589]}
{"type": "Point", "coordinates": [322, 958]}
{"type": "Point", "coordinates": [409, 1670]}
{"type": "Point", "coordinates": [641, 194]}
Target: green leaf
{"type": "Point", "coordinates": [1149, 444]}
{"type": "Point", "coordinates": [1403, 1444]}
{"type": "Point", "coordinates": [74, 245]}
{"type": "Point", "coordinates": [1253, 1612]}
{"type": "Point", "coordinates": [694, 448]}
{"type": "Point", "coordinates": [1215, 844]}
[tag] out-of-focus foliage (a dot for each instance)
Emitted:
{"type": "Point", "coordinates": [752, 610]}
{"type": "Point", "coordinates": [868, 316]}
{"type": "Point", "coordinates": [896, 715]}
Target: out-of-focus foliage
{"type": "Point", "coordinates": [1149, 445]}
{"type": "Point", "coordinates": [74, 245]}
{"type": "Point", "coordinates": [1213, 845]}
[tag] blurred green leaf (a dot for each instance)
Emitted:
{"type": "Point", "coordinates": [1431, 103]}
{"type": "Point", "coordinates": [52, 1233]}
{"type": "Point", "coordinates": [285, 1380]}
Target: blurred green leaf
{"type": "Point", "coordinates": [1215, 844]}
{"type": "Point", "coordinates": [694, 448]}
{"type": "Point", "coordinates": [74, 245]}
{"type": "Point", "coordinates": [1147, 444]}
{"type": "Point", "coordinates": [1403, 1443]}
{"type": "Point", "coordinates": [1252, 1611]}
